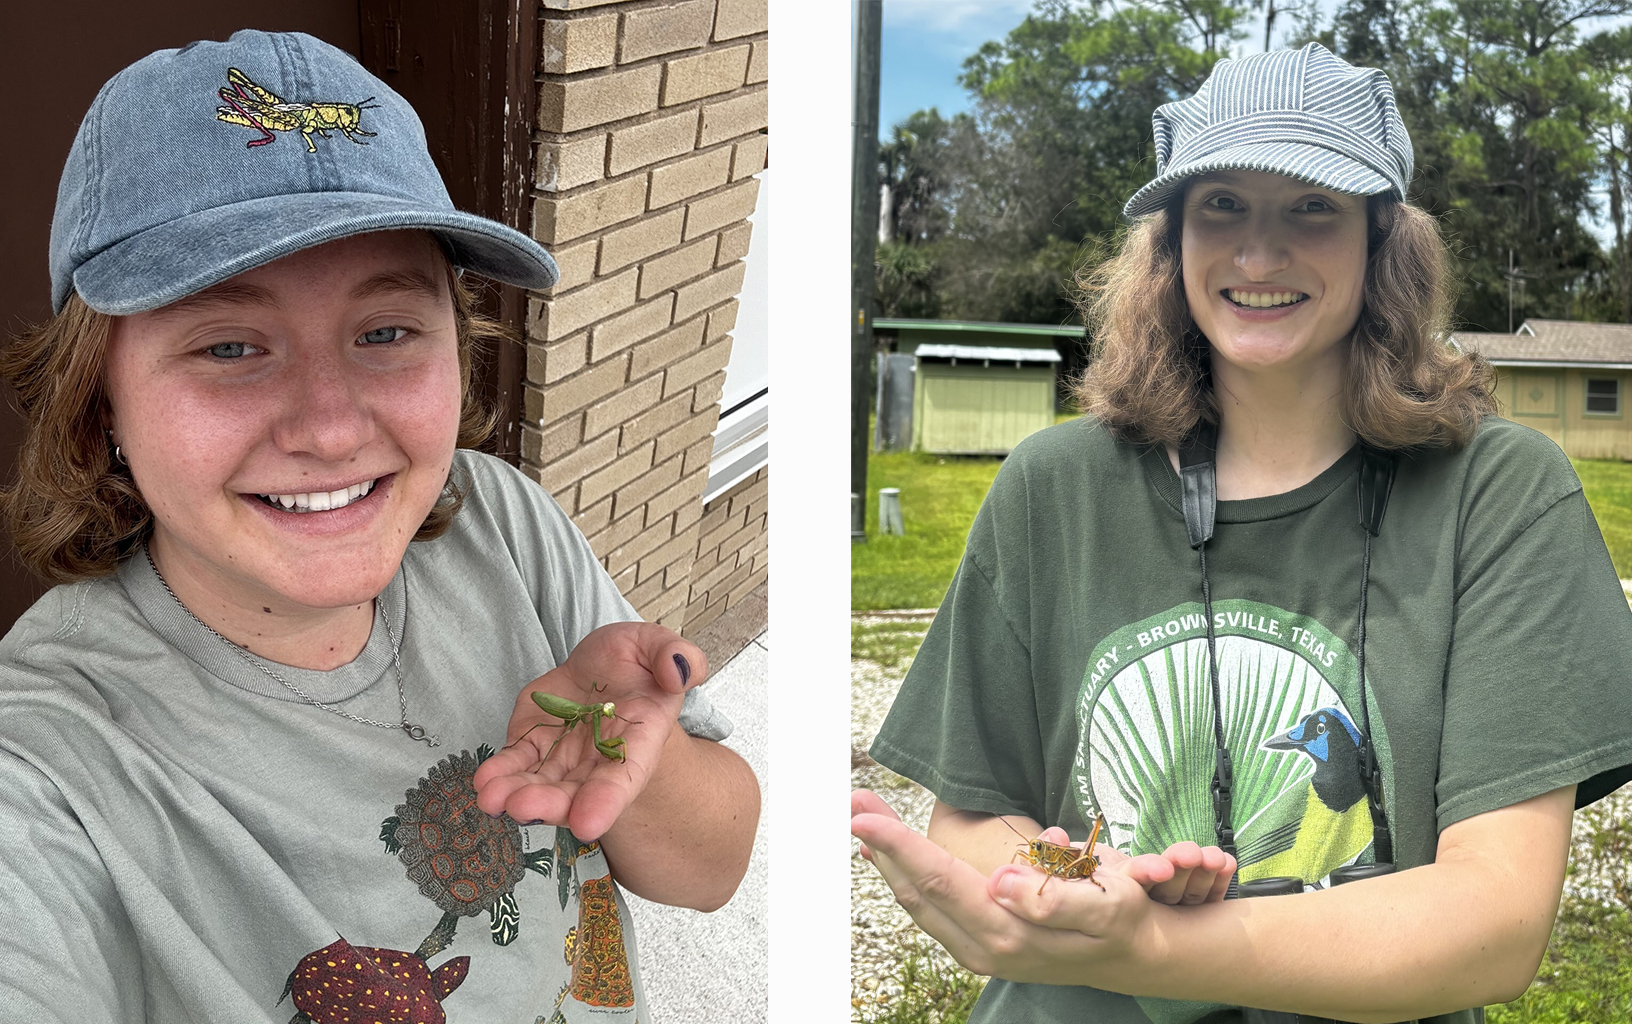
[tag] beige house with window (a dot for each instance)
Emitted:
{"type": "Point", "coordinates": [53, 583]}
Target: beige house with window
{"type": "Point", "coordinates": [1566, 379]}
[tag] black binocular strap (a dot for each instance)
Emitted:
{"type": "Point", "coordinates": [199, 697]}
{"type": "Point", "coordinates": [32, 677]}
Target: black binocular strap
{"type": "Point", "coordinates": [1198, 483]}
{"type": "Point", "coordinates": [1198, 480]}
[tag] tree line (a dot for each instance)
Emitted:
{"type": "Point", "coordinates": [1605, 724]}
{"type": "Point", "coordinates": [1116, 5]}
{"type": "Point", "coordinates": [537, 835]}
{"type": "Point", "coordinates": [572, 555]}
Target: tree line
{"type": "Point", "coordinates": [1519, 111]}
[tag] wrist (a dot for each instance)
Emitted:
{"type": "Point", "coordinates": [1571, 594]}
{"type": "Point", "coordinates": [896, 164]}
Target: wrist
{"type": "Point", "coordinates": [1150, 948]}
{"type": "Point", "coordinates": [1135, 964]}
{"type": "Point", "coordinates": [670, 759]}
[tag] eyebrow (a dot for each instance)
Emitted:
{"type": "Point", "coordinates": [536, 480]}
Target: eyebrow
{"type": "Point", "coordinates": [1226, 178]}
{"type": "Point", "coordinates": [227, 293]}
{"type": "Point", "coordinates": [238, 293]}
{"type": "Point", "coordinates": [411, 281]}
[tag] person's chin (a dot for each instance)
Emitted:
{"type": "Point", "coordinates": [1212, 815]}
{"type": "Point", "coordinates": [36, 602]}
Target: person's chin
{"type": "Point", "coordinates": [338, 584]}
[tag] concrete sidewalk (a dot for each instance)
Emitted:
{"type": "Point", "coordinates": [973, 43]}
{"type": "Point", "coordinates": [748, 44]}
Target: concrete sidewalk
{"type": "Point", "coordinates": [702, 968]}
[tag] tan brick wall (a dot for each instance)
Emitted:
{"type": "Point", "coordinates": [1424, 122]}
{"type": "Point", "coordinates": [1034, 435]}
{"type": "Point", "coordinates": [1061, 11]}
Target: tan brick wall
{"type": "Point", "coordinates": [651, 120]}
{"type": "Point", "coordinates": [730, 554]}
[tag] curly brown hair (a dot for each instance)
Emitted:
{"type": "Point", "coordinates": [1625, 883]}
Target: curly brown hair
{"type": "Point", "coordinates": [74, 511]}
{"type": "Point", "coordinates": [1150, 380]}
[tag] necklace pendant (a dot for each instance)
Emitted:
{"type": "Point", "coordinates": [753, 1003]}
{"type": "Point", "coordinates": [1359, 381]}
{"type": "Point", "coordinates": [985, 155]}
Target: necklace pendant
{"type": "Point", "coordinates": [416, 732]}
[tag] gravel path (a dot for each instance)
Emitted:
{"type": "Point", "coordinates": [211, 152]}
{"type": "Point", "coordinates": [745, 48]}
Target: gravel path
{"type": "Point", "coordinates": [879, 928]}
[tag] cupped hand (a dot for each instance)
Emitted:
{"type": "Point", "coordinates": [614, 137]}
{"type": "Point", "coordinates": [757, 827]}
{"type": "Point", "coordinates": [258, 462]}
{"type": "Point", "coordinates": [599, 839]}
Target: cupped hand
{"type": "Point", "coordinates": [1184, 874]}
{"type": "Point", "coordinates": [1073, 933]}
{"type": "Point", "coordinates": [643, 669]}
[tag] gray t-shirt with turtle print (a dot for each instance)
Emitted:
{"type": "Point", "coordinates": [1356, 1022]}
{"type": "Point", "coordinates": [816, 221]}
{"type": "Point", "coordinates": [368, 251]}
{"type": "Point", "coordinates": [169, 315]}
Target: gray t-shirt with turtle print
{"type": "Point", "coordinates": [183, 839]}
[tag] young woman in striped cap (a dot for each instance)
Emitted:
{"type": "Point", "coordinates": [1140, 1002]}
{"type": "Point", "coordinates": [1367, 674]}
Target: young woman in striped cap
{"type": "Point", "coordinates": [1184, 614]}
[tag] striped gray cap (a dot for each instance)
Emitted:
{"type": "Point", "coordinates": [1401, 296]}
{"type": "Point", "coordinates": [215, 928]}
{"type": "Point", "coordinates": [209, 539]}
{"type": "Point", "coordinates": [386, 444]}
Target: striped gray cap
{"type": "Point", "coordinates": [1302, 113]}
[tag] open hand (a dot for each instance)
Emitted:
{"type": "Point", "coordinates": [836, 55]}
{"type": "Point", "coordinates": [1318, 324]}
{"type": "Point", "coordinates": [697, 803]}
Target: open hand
{"type": "Point", "coordinates": [1070, 933]}
{"type": "Point", "coordinates": [643, 669]}
{"type": "Point", "coordinates": [1086, 935]}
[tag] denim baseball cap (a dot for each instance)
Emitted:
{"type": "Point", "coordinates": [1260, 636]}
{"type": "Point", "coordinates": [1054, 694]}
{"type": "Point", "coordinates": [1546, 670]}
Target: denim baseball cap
{"type": "Point", "coordinates": [197, 164]}
{"type": "Point", "coordinates": [1302, 113]}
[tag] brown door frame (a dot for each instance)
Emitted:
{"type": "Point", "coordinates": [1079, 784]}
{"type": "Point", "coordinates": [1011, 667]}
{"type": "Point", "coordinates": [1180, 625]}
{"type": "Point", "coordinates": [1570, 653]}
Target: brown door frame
{"type": "Point", "coordinates": [458, 63]}
{"type": "Point", "coordinates": [53, 58]}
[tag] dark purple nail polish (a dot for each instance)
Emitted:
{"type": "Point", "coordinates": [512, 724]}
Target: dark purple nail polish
{"type": "Point", "coordinates": [684, 666]}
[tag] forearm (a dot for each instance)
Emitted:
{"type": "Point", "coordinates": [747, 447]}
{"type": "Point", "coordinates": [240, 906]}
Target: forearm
{"type": "Point", "coordinates": [686, 839]}
{"type": "Point", "coordinates": [1435, 939]}
{"type": "Point", "coordinates": [1467, 930]}
{"type": "Point", "coordinates": [982, 841]}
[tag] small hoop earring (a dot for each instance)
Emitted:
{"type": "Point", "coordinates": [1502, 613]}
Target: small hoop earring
{"type": "Point", "coordinates": [119, 456]}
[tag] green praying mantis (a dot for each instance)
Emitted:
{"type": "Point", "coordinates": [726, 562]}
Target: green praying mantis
{"type": "Point", "coordinates": [571, 714]}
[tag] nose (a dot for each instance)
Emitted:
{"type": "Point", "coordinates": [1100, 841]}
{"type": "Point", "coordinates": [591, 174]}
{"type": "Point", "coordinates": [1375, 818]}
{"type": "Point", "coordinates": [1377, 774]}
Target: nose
{"type": "Point", "coordinates": [1263, 251]}
{"type": "Point", "coordinates": [325, 410]}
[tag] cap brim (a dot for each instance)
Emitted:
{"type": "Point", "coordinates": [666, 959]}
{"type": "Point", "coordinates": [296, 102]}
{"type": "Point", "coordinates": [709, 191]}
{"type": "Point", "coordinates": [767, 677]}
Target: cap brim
{"type": "Point", "coordinates": [189, 254]}
{"type": "Point", "coordinates": [1304, 161]}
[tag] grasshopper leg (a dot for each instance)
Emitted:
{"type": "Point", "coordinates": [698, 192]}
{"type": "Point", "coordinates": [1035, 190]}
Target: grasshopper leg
{"type": "Point", "coordinates": [1092, 863]}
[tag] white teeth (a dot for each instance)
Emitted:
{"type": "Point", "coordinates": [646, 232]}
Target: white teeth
{"type": "Point", "coordinates": [320, 501]}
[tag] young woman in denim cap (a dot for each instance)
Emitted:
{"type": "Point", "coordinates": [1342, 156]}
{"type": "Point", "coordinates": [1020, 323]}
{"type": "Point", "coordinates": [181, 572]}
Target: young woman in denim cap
{"type": "Point", "coordinates": [246, 760]}
{"type": "Point", "coordinates": [1286, 482]}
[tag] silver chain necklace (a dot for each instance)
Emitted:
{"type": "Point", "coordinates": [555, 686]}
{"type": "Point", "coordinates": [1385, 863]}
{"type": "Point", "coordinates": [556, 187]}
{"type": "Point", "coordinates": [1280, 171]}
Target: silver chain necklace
{"type": "Point", "coordinates": [414, 732]}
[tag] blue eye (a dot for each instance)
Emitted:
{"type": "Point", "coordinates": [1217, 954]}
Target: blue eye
{"type": "Point", "coordinates": [383, 335]}
{"type": "Point", "coordinates": [1321, 206]}
{"type": "Point", "coordinates": [228, 349]}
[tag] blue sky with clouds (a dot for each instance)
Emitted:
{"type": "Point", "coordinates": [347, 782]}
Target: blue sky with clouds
{"type": "Point", "coordinates": [924, 45]}
{"type": "Point", "coordinates": [926, 41]}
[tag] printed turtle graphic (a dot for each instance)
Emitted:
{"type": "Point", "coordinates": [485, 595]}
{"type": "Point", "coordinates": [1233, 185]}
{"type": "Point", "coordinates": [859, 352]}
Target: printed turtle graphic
{"type": "Point", "coordinates": [342, 982]}
{"type": "Point", "coordinates": [462, 860]}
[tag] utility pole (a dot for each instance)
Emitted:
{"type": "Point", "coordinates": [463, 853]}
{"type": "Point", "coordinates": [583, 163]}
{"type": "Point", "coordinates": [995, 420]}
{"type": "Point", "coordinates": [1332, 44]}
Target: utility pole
{"type": "Point", "coordinates": [864, 207]}
{"type": "Point", "coordinates": [1514, 274]}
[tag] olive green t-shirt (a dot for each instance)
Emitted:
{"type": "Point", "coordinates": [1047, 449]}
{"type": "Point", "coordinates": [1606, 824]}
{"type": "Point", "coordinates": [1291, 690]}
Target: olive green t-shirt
{"type": "Point", "coordinates": [1065, 673]}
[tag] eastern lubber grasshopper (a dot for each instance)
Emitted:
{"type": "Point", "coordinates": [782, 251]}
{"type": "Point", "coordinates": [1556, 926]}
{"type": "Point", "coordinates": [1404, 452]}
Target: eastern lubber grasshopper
{"type": "Point", "coordinates": [1057, 861]}
{"type": "Point", "coordinates": [252, 106]}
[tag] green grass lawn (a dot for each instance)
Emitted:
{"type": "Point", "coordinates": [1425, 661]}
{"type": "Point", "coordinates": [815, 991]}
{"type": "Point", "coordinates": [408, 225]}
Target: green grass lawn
{"type": "Point", "coordinates": [1609, 491]}
{"type": "Point", "coordinates": [940, 495]}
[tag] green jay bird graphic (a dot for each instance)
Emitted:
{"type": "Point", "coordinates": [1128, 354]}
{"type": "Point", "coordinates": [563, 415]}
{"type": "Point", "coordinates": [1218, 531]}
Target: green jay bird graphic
{"type": "Point", "coordinates": [1336, 823]}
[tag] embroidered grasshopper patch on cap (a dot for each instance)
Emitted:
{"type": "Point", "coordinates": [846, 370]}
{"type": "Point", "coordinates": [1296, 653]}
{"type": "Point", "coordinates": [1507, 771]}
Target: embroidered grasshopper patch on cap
{"type": "Point", "coordinates": [252, 106]}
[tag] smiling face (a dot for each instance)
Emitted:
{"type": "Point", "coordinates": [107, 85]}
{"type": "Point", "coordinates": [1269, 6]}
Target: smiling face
{"type": "Point", "coordinates": [292, 427]}
{"type": "Point", "coordinates": [1274, 270]}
